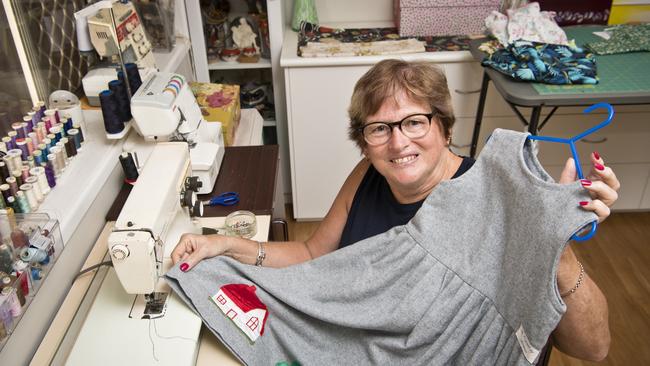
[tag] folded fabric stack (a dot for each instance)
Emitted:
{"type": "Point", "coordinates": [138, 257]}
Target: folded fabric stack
{"type": "Point", "coordinates": [534, 48]}
{"type": "Point", "coordinates": [624, 38]}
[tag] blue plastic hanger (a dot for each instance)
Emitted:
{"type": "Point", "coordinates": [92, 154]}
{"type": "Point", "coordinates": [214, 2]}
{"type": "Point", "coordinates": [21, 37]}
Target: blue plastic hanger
{"type": "Point", "coordinates": [571, 141]}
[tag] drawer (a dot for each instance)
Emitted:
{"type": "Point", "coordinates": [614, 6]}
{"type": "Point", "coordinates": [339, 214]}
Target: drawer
{"type": "Point", "coordinates": [645, 201]}
{"type": "Point", "coordinates": [634, 182]}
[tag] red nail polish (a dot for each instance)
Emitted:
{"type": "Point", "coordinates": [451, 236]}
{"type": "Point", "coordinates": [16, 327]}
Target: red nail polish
{"type": "Point", "coordinates": [599, 166]}
{"type": "Point", "coordinates": [585, 182]}
{"type": "Point", "coordinates": [184, 267]}
{"type": "Point", "coordinates": [584, 203]}
{"type": "Point", "coordinates": [596, 155]}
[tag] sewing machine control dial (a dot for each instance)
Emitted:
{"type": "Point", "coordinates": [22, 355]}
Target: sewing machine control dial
{"type": "Point", "coordinates": [188, 198]}
{"type": "Point", "coordinates": [119, 251]}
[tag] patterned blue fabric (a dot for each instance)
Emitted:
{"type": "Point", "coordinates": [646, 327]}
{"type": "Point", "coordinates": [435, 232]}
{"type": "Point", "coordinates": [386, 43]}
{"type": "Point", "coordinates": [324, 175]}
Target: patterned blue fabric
{"type": "Point", "coordinates": [544, 63]}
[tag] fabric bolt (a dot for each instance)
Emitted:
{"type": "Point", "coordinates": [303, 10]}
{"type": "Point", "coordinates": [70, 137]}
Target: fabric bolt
{"type": "Point", "coordinates": [526, 23]}
{"type": "Point", "coordinates": [544, 63]}
{"type": "Point", "coordinates": [465, 284]}
{"type": "Point", "coordinates": [624, 38]}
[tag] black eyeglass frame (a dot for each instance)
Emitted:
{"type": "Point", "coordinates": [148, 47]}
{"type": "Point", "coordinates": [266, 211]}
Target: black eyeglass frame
{"type": "Point", "coordinates": [392, 125]}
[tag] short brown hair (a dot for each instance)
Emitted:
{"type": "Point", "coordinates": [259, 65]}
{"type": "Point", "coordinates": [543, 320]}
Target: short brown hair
{"type": "Point", "coordinates": [421, 81]}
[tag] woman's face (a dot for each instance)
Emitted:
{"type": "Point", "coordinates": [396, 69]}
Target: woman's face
{"type": "Point", "coordinates": [411, 166]}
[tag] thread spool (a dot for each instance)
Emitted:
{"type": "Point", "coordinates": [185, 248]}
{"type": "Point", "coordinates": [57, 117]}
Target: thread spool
{"type": "Point", "coordinates": [128, 165]}
{"type": "Point", "coordinates": [112, 122]}
{"type": "Point", "coordinates": [45, 146]}
{"type": "Point", "coordinates": [6, 261]}
{"type": "Point", "coordinates": [11, 203]}
{"type": "Point", "coordinates": [6, 140]}
{"type": "Point", "coordinates": [70, 147]}
{"type": "Point", "coordinates": [33, 255]}
{"type": "Point", "coordinates": [122, 99]}
{"type": "Point", "coordinates": [73, 134]}
{"type": "Point", "coordinates": [5, 190]}
{"type": "Point", "coordinates": [3, 147]}
{"type": "Point", "coordinates": [4, 170]}
{"type": "Point", "coordinates": [54, 163]}
{"type": "Point", "coordinates": [40, 131]}
{"type": "Point", "coordinates": [34, 120]}
{"type": "Point", "coordinates": [39, 172]}
{"type": "Point", "coordinates": [18, 175]}
{"type": "Point", "coordinates": [28, 190]}
{"type": "Point", "coordinates": [3, 203]}
{"type": "Point", "coordinates": [33, 180]}
{"type": "Point", "coordinates": [24, 172]}
{"type": "Point", "coordinates": [27, 121]}
{"type": "Point", "coordinates": [8, 281]}
{"type": "Point", "coordinates": [14, 159]}
{"type": "Point", "coordinates": [50, 174]}
{"type": "Point", "coordinates": [23, 204]}
{"type": "Point", "coordinates": [22, 269]}
{"type": "Point", "coordinates": [38, 158]}
{"type": "Point", "coordinates": [14, 303]}
{"type": "Point", "coordinates": [50, 139]}
{"type": "Point", "coordinates": [67, 125]}
{"type": "Point", "coordinates": [61, 156]}
{"type": "Point", "coordinates": [22, 145]}
{"type": "Point", "coordinates": [33, 138]}
{"type": "Point", "coordinates": [18, 128]}
{"type": "Point", "coordinates": [49, 119]}
{"type": "Point", "coordinates": [13, 135]}
{"type": "Point", "coordinates": [56, 131]}
{"type": "Point", "coordinates": [13, 185]}
{"type": "Point", "coordinates": [30, 146]}
{"type": "Point", "coordinates": [77, 126]}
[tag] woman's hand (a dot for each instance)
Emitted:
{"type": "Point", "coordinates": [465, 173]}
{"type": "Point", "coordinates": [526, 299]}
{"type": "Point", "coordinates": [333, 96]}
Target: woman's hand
{"type": "Point", "coordinates": [601, 182]}
{"type": "Point", "coordinates": [192, 248]}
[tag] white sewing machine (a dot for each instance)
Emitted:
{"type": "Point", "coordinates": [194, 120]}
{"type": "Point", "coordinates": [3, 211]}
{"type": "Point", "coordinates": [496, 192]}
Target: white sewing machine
{"type": "Point", "coordinates": [153, 327]}
{"type": "Point", "coordinates": [97, 32]}
{"type": "Point", "coordinates": [164, 192]}
{"type": "Point", "coordinates": [164, 109]}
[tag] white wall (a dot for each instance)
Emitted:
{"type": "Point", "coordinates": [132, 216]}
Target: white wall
{"type": "Point", "coordinates": [348, 11]}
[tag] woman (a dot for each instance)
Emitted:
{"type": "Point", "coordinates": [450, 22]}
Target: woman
{"type": "Point", "coordinates": [401, 120]}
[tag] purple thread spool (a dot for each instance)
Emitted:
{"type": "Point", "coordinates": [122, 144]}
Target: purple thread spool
{"type": "Point", "coordinates": [49, 119]}
{"type": "Point", "coordinates": [112, 121]}
{"type": "Point", "coordinates": [22, 145]}
{"type": "Point", "coordinates": [49, 174]}
{"type": "Point", "coordinates": [12, 135]}
{"type": "Point", "coordinates": [8, 143]}
{"type": "Point", "coordinates": [57, 117]}
{"type": "Point", "coordinates": [18, 128]}
{"type": "Point", "coordinates": [34, 120]}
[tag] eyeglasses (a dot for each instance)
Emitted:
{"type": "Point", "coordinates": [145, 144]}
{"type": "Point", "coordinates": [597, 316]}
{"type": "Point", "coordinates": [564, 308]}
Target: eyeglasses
{"type": "Point", "coordinates": [413, 126]}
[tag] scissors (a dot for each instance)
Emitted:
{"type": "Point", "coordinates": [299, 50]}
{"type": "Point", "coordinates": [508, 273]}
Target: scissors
{"type": "Point", "coordinates": [224, 199]}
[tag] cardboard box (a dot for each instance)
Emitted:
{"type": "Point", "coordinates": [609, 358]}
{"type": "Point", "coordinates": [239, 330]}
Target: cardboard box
{"type": "Point", "coordinates": [442, 17]}
{"type": "Point", "coordinates": [219, 103]}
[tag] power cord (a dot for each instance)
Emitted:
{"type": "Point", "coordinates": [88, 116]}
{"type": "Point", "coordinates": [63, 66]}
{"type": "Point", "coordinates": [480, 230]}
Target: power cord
{"type": "Point", "coordinates": [84, 271]}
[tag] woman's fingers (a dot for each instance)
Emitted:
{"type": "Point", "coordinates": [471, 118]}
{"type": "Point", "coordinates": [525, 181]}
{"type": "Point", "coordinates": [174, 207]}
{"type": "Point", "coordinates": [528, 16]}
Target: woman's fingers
{"type": "Point", "coordinates": [600, 190]}
{"type": "Point", "coordinates": [598, 207]}
{"type": "Point", "coordinates": [602, 172]}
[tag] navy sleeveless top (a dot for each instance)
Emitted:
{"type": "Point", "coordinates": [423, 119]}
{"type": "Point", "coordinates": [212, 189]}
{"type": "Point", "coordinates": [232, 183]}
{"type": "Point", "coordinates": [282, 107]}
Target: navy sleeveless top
{"type": "Point", "coordinates": [375, 210]}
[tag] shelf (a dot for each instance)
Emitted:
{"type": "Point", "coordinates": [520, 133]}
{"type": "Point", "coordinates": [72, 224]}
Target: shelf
{"type": "Point", "coordinates": [221, 65]}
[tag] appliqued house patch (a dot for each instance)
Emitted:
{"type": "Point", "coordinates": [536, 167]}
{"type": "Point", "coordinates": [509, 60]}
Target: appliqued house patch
{"type": "Point", "coordinates": [241, 305]}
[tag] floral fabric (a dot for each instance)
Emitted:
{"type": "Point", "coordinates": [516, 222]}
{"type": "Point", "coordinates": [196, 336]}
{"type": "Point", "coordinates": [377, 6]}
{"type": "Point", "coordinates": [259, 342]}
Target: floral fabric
{"type": "Point", "coordinates": [625, 38]}
{"type": "Point", "coordinates": [544, 63]}
{"type": "Point", "coordinates": [526, 23]}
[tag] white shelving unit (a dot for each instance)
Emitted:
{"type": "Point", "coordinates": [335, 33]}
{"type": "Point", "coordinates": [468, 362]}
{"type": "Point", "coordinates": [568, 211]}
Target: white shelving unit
{"type": "Point", "coordinates": [276, 10]}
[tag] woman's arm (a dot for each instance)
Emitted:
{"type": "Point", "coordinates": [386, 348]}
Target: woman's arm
{"type": "Point", "coordinates": [583, 331]}
{"type": "Point", "coordinates": [193, 248]}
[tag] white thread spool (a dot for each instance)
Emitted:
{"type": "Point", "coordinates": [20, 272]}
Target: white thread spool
{"type": "Point", "coordinates": [35, 187]}
{"type": "Point", "coordinates": [39, 172]}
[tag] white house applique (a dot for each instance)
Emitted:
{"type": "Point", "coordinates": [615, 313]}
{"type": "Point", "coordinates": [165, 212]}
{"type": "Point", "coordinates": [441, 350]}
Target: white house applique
{"type": "Point", "coordinates": [239, 303]}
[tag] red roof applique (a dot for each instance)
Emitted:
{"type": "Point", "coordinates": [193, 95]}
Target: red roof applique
{"type": "Point", "coordinates": [245, 298]}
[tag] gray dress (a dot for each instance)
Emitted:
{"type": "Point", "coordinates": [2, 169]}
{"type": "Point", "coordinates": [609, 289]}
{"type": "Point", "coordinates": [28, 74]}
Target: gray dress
{"type": "Point", "coordinates": [470, 280]}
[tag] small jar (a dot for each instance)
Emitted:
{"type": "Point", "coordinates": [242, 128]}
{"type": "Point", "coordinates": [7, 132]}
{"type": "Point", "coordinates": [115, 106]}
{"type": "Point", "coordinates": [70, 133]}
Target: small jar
{"type": "Point", "coordinates": [242, 224]}
{"type": "Point", "coordinates": [229, 54]}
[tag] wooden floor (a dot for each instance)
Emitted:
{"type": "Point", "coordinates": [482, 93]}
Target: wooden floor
{"type": "Point", "coordinates": [618, 260]}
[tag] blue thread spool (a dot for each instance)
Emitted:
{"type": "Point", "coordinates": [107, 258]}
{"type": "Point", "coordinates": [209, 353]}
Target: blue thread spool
{"type": "Point", "coordinates": [38, 157]}
{"type": "Point", "coordinates": [49, 174]}
{"type": "Point", "coordinates": [22, 145]}
{"type": "Point", "coordinates": [8, 143]}
{"type": "Point", "coordinates": [37, 273]}
{"type": "Point", "coordinates": [81, 133]}
{"type": "Point", "coordinates": [134, 76]}
{"type": "Point", "coordinates": [122, 99]}
{"type": "Point", "coordinates": [112, 122]}
{"type": "Point", "coordinates": [67, 125]}
{"type": "Point", "coordinates": [13, 135]}
{"type": "Point", "coordinates": [56, 131]}
{"type": "Point", "coordinates": [73, 134]}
